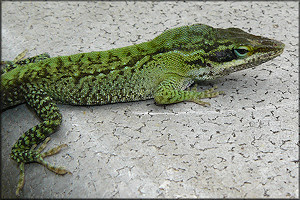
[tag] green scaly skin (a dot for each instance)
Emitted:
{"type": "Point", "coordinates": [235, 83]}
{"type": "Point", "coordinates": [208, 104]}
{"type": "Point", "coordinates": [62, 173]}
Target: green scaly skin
{"type": "Point", "coordinates": [161, 69]}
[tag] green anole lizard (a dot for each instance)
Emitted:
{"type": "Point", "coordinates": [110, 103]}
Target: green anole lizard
{"type": "Point", "coordinates": [162, 68]}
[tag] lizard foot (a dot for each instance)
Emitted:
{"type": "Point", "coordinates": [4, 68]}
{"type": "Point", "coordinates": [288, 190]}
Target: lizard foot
{"type": "Point", "coordinates": [210, 93]}
{"type": "Point", "coordinates": [40, 160]}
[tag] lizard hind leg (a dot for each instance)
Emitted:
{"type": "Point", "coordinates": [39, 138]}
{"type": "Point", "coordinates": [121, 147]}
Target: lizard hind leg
{"type": "Point", "coordinates": [24, 150]}
{"type": "Point", "coordinates": [19, 61]}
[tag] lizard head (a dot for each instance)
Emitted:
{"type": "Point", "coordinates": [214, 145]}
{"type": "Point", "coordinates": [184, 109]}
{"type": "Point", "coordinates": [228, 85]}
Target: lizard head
{"type": "Point", "coordinates": [214, 52]}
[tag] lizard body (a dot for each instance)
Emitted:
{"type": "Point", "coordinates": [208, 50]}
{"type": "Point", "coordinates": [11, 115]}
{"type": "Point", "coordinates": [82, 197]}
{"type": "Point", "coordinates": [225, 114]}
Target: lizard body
{"type": "Point", "coordinates": [161, 69]}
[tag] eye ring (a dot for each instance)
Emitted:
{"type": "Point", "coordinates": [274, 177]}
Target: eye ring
{"type": "Point", "coordinates": [241, 51]}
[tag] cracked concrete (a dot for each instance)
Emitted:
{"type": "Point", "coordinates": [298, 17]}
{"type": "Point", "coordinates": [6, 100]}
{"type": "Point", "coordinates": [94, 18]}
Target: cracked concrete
{"type": "Point", "coordinates": [245, 145]}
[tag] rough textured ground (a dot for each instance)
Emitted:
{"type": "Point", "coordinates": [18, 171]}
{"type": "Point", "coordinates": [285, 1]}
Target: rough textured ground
{"type": "Point", "coordinates": [244, 145]}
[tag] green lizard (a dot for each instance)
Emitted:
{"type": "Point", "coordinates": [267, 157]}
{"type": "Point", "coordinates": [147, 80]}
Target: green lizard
{"type": "Point", "coordinates": [162, 68]}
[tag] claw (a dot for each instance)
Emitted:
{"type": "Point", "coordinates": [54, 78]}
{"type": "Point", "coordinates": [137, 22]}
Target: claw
{"type": "Point", "coordinates": [202, 103]}
{"type": "Point", "coordinates": [20, 56]}
{"type": "Point", "coordinates": [57, 170]}
{"type": "Point", "coordinates": [21, 179]}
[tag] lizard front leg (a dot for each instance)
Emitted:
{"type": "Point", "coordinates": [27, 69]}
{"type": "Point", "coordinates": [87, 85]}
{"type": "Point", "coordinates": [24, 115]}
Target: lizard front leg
{"type": "Point", "coordinates": [168, 92]}
{"type": "Point", "coordinates": [23, 150]}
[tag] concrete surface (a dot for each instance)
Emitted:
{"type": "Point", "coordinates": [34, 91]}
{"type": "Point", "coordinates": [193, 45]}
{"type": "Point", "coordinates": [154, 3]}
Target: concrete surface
{"type": "Point", "coordinates": [243, 146]}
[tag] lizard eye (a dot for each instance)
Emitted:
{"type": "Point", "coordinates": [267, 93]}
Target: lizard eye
{"type": "Point", "coordinates": [241, 51]}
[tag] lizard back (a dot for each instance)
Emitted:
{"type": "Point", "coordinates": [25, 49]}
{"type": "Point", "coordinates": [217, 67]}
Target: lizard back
{"type": "Point", "coordinates": [196, 52]}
